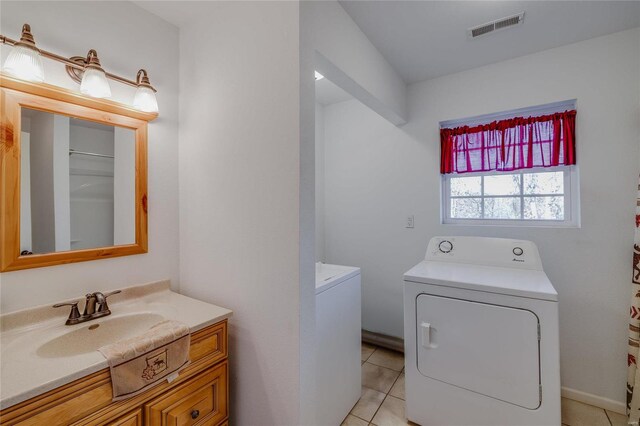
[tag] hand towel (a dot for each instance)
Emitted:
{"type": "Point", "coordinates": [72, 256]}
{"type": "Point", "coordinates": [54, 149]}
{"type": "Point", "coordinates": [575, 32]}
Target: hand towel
{"type": "Point", "coordinates": [143, 361]}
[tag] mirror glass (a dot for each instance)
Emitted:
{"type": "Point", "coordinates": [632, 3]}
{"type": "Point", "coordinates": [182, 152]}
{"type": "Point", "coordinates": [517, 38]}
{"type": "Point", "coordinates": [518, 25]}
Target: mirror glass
{"type": "Point", "coordinates": [77, 184]}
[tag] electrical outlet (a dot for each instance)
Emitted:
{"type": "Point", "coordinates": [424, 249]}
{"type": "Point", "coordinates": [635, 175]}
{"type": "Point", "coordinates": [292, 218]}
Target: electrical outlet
{"type": "Point", "coordinates": [409, 223]}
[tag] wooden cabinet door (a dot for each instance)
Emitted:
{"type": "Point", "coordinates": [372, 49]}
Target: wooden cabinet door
{"type": "Point", "coordinates": [134, 418]}
{"type": "Point", "coordinates": [203, 397]}
{"type": "Point", "coordinates": [212, 422]}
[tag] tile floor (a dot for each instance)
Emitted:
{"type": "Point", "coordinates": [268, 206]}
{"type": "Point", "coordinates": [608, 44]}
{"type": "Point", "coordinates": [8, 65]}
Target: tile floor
{"type": "Point", "coordinates": [382, 401]}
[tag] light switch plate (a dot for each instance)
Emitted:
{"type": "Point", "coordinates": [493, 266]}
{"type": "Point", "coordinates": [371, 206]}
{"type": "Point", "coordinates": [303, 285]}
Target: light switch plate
{"type": "Point", "coordinates": [409, 223]}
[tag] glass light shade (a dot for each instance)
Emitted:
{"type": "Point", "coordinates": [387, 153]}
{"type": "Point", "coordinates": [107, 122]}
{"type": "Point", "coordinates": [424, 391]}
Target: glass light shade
{"type": "Point", "coordinates": [25, 63]}
{"type": "Point", "coordinates": [145, 99]}
{"type": "Point", "coordinates": [94, 83]}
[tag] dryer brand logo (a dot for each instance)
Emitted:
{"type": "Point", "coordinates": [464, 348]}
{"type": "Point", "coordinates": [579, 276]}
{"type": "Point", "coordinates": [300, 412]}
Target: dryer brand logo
{"type": "Point", "coordinates": [518, 260]}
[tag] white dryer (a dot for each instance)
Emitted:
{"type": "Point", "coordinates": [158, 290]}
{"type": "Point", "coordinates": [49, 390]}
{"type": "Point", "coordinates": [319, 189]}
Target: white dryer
{"type": "Point", "coordinates": [481, 335]}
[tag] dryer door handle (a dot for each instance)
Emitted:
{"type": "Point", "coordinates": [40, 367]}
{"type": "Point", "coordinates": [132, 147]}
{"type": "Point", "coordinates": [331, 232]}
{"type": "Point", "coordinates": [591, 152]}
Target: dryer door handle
{"type": "Point", "coordinates": [426, 334]}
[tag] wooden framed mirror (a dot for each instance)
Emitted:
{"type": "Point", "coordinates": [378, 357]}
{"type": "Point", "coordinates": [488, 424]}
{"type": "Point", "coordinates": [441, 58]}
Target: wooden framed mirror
{"type": "Point", "coordinates": [73, 177]}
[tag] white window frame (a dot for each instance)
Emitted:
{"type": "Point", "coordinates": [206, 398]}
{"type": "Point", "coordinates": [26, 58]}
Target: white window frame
{"type": "Point", "coordinates": [571, 200]}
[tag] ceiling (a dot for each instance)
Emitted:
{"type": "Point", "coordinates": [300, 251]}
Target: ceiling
{"type": "Point", "coordinates": [427, 39]}
{"type": "Point", "coordinates": [328, 93]}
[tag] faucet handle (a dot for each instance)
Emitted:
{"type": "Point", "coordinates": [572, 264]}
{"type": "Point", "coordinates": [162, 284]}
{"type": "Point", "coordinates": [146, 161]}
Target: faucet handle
{"type": "Point", "coordinates": [112, 293]}
{"type": "Point", "coordinates": [59, 305]}
{"type": "Point", "coordinates": [74, 315]}
{"type": "Point", "coordinates": [102, 304]}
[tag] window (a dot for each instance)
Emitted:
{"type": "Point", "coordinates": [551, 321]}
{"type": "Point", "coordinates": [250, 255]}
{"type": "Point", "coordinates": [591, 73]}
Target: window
{"type": "Point", "coordinates": [515, 170]}
{"type": "Point", "coordinates": [531, 197]}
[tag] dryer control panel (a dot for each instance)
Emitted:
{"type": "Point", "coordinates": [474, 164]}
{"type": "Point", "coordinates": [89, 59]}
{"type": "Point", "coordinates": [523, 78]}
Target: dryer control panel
{"type": "Point", "coordinates": [501, 252]}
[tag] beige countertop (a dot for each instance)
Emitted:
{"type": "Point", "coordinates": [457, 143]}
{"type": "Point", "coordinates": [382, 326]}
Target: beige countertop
{"type": "Point", "coordinates": [38, 352]}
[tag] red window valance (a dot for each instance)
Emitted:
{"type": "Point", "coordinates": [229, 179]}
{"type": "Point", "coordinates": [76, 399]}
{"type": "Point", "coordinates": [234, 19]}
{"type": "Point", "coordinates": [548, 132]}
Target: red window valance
{"type": "Point", "coordinates": [513, 144]}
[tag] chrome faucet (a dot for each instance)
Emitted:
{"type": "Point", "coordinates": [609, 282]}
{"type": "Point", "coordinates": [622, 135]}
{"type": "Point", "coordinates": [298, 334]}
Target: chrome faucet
{"type": "Point", "coordinates": [90, 312]}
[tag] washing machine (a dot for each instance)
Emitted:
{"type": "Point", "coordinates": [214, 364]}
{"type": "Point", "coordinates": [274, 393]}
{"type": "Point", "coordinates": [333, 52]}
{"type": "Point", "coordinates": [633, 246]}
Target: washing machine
{"type": "Point", "coordinates": [338, 342]}
{"type": "Point", "coordinates": [481, 335]}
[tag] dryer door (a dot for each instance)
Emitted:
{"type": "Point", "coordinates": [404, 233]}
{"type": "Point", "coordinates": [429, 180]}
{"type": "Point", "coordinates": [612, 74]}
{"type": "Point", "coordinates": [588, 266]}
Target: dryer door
{"type": "Point", "coordinates": [489, 349]}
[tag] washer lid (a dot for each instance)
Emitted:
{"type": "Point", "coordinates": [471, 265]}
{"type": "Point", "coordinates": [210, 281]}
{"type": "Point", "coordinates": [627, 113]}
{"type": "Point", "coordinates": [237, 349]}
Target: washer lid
{"type": "Point", "coordinates": [328, 276]}
{"type": "Point", "coordinates": [490, 279]}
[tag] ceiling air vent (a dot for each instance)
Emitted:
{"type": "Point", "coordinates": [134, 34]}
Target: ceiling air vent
{"type": "Point", "coordinates": [498, 24]}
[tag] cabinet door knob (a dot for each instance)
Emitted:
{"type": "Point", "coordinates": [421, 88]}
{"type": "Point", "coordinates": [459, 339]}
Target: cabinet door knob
{"type": "Point", "coordinates": [195, 414]}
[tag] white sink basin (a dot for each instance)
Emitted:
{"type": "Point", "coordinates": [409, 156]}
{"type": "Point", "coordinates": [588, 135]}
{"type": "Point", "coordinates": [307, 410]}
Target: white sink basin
{"type": "Point", "coordinates": [39, 352]}
{"type": "Point", "coordinates": [95, 334]}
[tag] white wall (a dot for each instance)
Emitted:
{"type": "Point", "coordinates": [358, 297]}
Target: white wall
{"type": "Point", "coordinates": [239, 194]}
{"type": "Point", "coordinates": [347, 57]}
{"type": "Point", "coordinates": [319, 162]}
{"type": "Point", "coordinates": [110, 28]}
{"type": "Point", "coordinates": [331, 43]}
{"type": "Point", "coordinates": [377, 174]}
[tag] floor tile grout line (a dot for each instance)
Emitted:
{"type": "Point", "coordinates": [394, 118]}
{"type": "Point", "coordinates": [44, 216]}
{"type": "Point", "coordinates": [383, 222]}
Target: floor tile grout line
{"type": "Point", "coordinates": [391, 350]}
{"type": "Point", "coordinates": [372, 352]}
{"type": "Point", "coordinates": [380, 406]}
{"type": "Point", "coordinates": [376, 412]}
{"type": "Point", "coordinates": [385, 395]}
{"type": "Point", "coordinates": [372, 363]}
{"type": "Point", "coordinates": [380, 366]}
{"type": "Point", "coordinates": [608, 418]}
{"type": "Point", "coordinates": [358, 417]}
{"type": "Point", "coordinates": [354, 415]}
{"type": "Point", "coordinates": [392, 385]}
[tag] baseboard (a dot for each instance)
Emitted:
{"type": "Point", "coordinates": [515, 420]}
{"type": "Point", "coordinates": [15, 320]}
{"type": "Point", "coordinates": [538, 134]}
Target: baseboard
{"type": "Point", "coordinates": [595, 400]}
{"type": "Point", "coordinates": [382, 340]}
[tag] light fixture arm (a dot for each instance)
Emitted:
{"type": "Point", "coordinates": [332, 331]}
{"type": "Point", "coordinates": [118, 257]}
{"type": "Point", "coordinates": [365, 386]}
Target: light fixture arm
{"type": "Point", "coordinates": [69, 62]}
{"type": "Point", "coordinates": [142, 79]}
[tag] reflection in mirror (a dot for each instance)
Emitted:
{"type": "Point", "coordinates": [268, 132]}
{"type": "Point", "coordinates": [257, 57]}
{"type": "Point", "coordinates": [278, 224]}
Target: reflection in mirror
{"type": "Point", "coordinates": [77, 184]}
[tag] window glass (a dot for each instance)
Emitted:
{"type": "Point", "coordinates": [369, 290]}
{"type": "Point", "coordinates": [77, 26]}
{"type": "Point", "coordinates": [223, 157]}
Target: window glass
{"type": "Point", "coordinates": [544, 183]}
{"type": "Point", "coordinates": [540, 196]}
{"type": "Point", "coordinates": [544, 208]}
{"type": "Point", "coordinates": [466, 208]}
{"type": "Point", "coordinates": [502, 184]}
{"type": "Point", "coordinates": [466, 186]}
{"type": "Point", "coordinates": [502, 208]}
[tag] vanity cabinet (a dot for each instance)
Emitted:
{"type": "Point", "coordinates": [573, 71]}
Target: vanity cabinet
{"type": "Point", "coordinates": [202, 400]}
{"type": "Point", "coordinates": [134, 418]}
{"type": "Point", "coordinates": [198, 397]}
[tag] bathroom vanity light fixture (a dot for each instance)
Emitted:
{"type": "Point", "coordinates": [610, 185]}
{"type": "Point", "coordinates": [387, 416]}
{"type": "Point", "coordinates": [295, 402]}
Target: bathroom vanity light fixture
{"type": "Point", "coordinates": [25, 63]}
{"type": "Point", "coordinates": [24, 60]}
{"type": "Point", "coordinates": [145, 98]}
{"type": "Point", "coordinates": [94, 80]}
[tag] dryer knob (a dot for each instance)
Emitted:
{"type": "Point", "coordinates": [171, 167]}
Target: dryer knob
{"type": "Point", "coordinates": [518, 251]}
{"type": "Point", "coordinates": [445, 246]}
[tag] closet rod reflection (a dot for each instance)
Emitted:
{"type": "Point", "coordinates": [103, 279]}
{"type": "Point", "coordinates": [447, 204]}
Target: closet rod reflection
{"type": "Point", "coordinates": [93, 154]}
